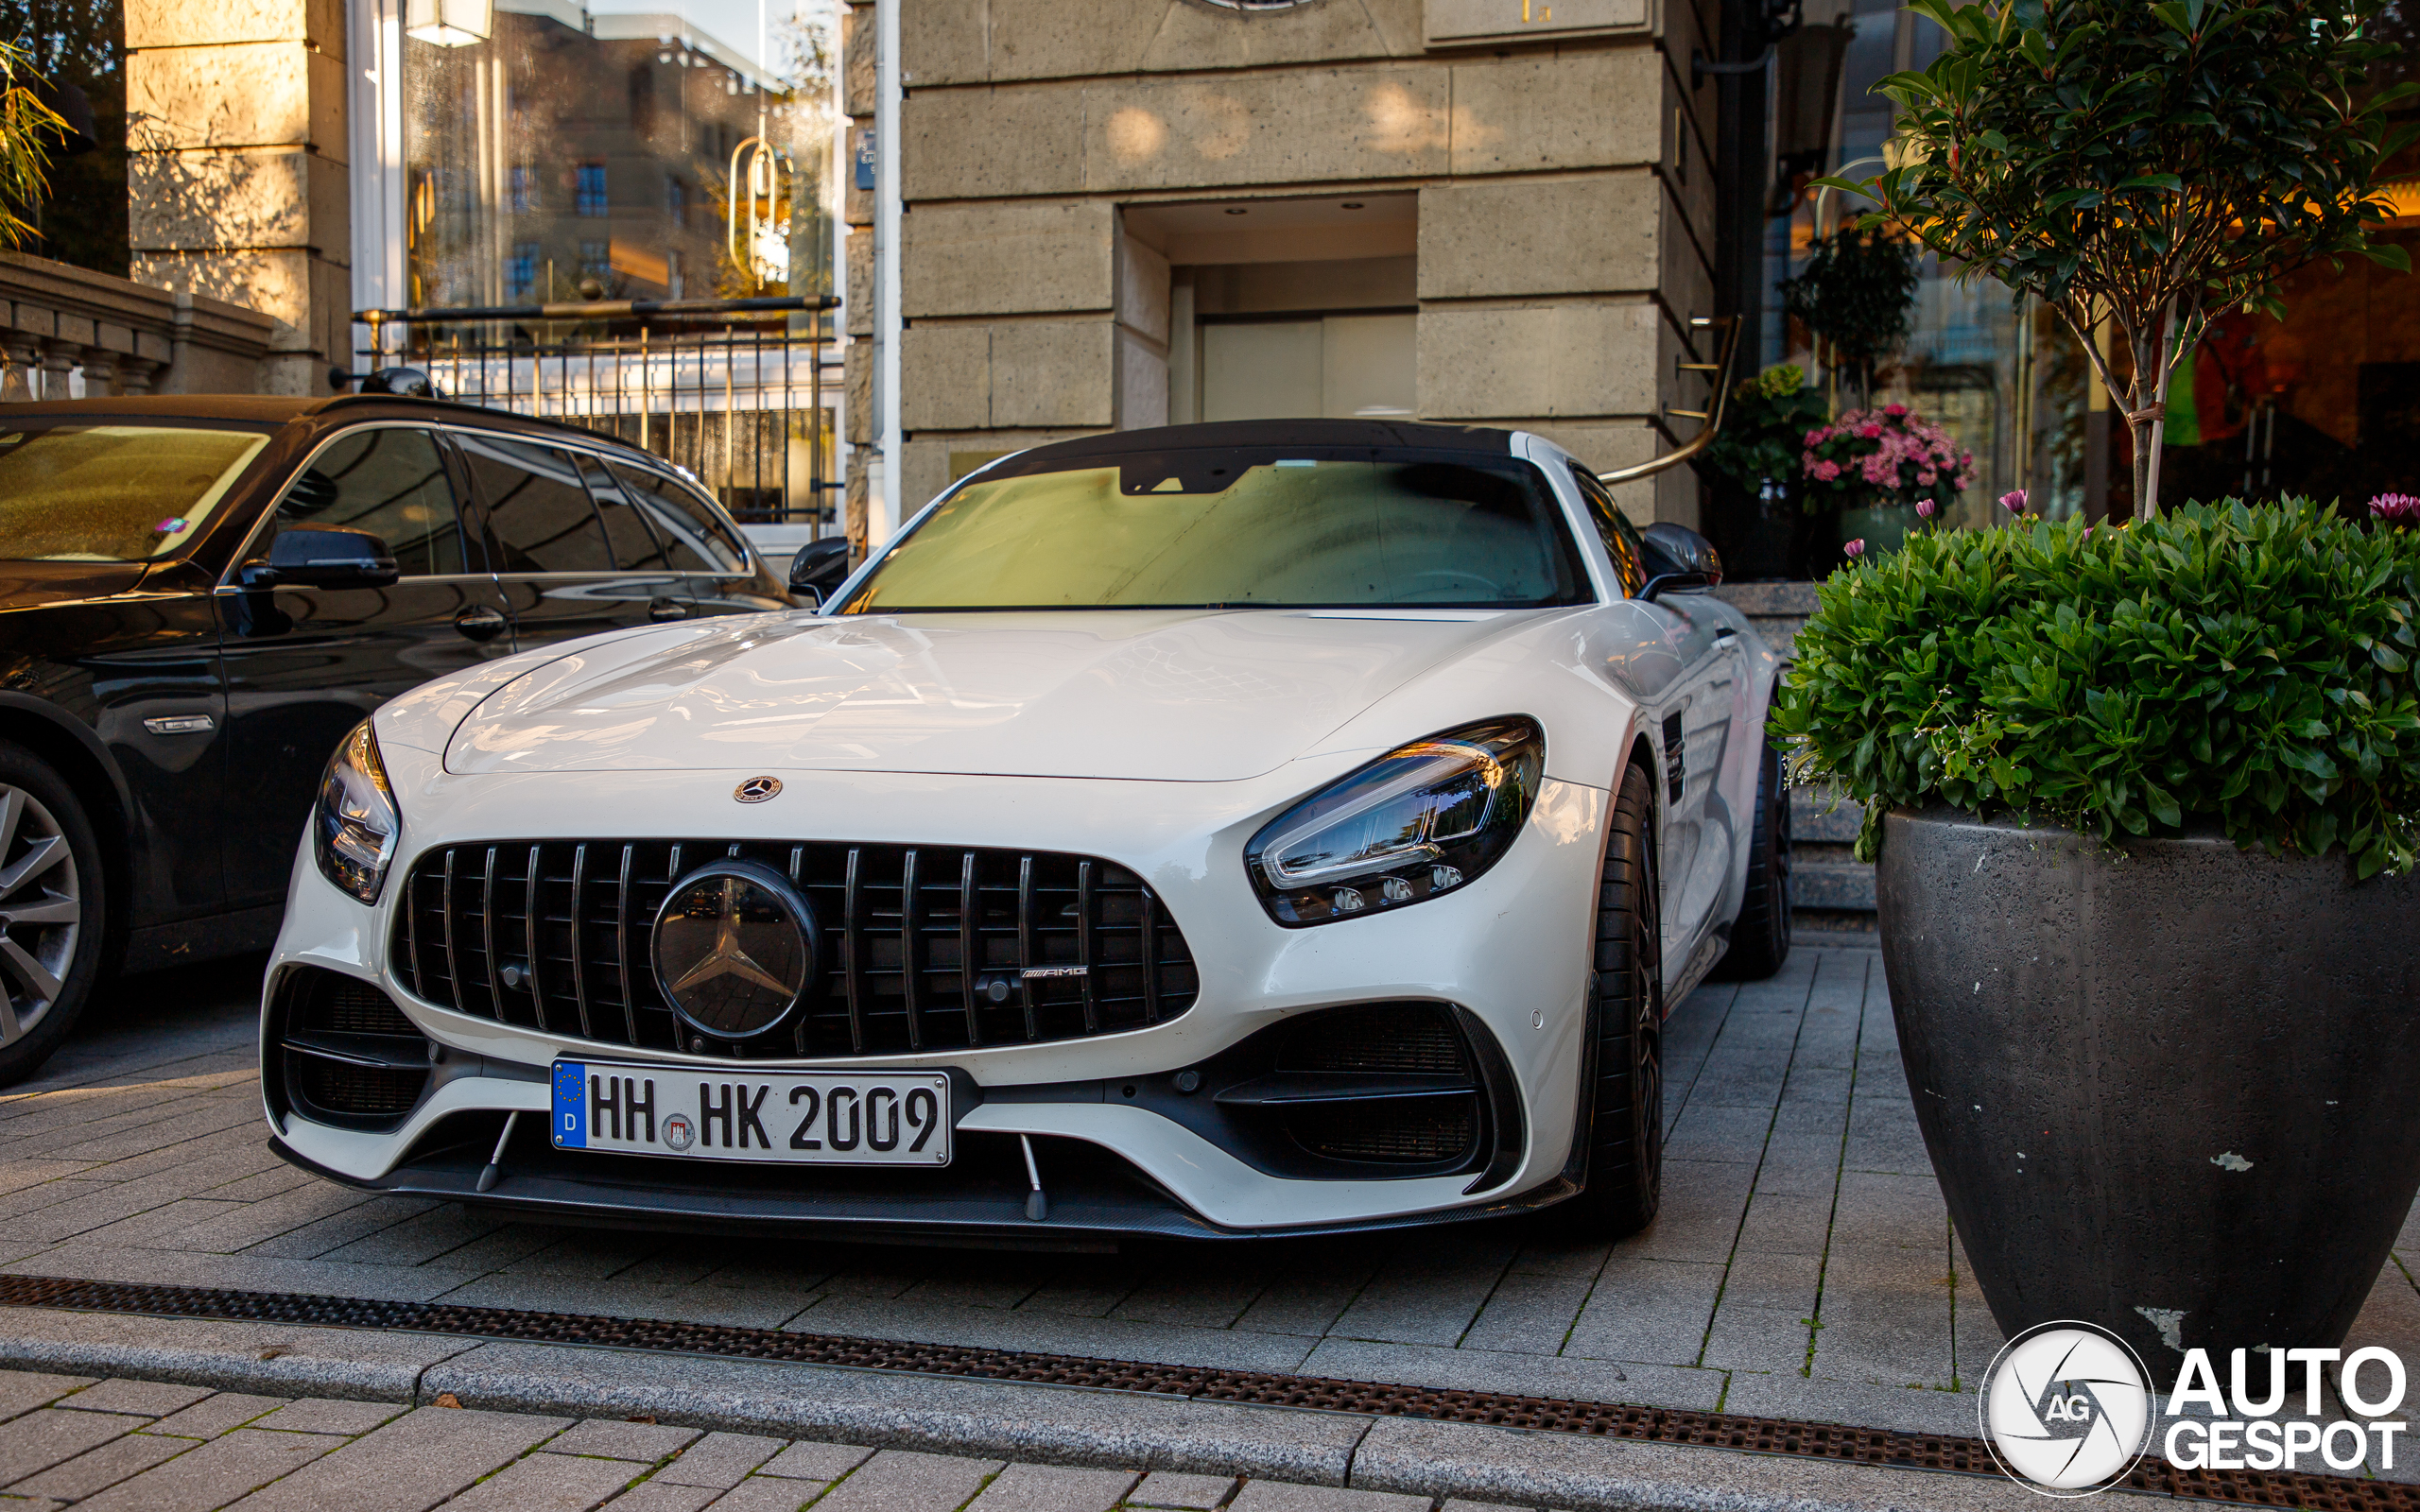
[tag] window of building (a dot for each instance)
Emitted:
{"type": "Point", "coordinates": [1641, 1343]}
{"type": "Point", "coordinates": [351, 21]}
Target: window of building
{"type": "Point", "coordinates": [595, 259]}
{"type": "Point", "coordinates": [610, 99]}
{"type": "Point", "coordinates": [521, 274]}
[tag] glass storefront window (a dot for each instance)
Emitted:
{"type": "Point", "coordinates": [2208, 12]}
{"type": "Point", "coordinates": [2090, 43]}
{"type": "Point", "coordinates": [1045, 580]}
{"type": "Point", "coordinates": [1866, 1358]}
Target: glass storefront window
{"type": "Point", "coordinates": [599, 145]}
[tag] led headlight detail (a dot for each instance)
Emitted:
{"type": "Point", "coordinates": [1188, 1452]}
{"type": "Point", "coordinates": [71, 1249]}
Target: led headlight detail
{"type": "Point", "coordinates": [354, 824]}
{"type": "Point", "coordinates": [1421, 821]}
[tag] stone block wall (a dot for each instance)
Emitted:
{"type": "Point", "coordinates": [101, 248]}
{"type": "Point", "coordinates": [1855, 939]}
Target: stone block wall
{"type": "Point", "coordinates": [1563, 199]}
{"type": "Point", "coordinates": [238, 171]}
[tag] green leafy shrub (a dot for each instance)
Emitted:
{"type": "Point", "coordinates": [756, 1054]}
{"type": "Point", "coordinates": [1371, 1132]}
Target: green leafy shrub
{"type": "Point", "coordinates": [2248, 665]}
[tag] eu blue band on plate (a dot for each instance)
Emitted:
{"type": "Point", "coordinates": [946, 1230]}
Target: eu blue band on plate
{"type": "Point", "coordinates": [571, 1105]}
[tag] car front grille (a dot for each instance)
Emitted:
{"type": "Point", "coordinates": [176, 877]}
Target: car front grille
{"type": "Point", "coordinates": [925, 947]}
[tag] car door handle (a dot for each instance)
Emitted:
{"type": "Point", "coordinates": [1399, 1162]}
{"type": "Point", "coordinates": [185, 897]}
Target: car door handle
{"type": "Point", "coordinates": [480, 623]}
{"type": "Point", "coordinates": [663, 610]}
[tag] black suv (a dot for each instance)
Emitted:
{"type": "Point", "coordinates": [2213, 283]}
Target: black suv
{"type": "Point", "coordinates": [202, 595]}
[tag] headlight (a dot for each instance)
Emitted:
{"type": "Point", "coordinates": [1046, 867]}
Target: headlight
{"type": "Point", "coordinates": [1422, 820]}
{"type": "Point", "coordinates": [355, 825]}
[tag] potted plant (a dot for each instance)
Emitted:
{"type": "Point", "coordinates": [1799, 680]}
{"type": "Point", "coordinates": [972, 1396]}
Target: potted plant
{"type": "Point", "coordinates": [1758, 449]}
{"type": "Point", "coordinates": [1875, 468]}
{"type": "Point", "coordinates": [1856, 297]}
{"type": "Point", "coordinates": [2145, 804]}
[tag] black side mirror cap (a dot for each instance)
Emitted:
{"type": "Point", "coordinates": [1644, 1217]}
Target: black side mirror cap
{"type": "Point", "coordinates": [1677, 549]}
{"type": "Point", "coordinates": [320, 556]}
{"type": "Point", "coordinates": [820, 567]}
{"type": "Point", "coordinates": [1664, 583]}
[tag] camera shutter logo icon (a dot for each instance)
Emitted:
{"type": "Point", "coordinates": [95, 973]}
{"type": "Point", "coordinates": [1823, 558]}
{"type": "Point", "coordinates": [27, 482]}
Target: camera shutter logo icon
{"type": "Point", "coordinates": [2065, 1408]}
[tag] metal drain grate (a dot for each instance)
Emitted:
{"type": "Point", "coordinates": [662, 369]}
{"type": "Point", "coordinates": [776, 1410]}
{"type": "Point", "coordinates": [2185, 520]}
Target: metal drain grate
{"type": "Point", "coordinates": [1762, 1435]}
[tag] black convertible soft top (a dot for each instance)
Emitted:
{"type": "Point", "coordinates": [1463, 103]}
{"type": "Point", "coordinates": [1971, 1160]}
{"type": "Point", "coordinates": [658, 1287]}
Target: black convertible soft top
{"type": "Point", "coordinates": [1327, 436]}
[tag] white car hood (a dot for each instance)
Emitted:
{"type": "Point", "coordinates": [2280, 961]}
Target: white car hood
{"type": "Point", "coordinates": [1183, 696]}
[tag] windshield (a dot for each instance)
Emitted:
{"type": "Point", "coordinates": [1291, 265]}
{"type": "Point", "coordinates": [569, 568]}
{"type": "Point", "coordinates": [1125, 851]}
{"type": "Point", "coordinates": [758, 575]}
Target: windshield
{"type": "Point", "coordinates": [1222, 528]}
{"type": "Point", "coordinates": [113, 492]}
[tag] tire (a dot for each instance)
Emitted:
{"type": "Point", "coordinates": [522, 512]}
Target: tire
{"type": "Point", "coordinates": [1623, 1102]}
{"type": "Point", "coordinates": [53, 911]}
{"type": "Point", "coordinates": [1760, 935]}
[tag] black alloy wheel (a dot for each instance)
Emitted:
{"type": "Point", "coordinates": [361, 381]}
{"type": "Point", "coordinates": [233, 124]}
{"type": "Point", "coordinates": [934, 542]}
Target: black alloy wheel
{"type": "Point", "coordinates": [52, 916]}
{"type": "Point", "coordinates": [1623, 1107]}
{"type": "Point", "coordinates": [1760, 936]}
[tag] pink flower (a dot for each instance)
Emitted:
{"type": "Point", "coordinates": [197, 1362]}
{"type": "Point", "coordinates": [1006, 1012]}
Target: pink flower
{"type": "Point", "coordinates": [1825, 472]}
{"type": "Point", "coordinates": [1926, 507]}
{"type": "Point", "coordinates": [2087, 533]}
{"type": "Point", "coordinates": [2014, 500]}
{"type": "Point", "coordinates": [1855, 548]}
{"type": "Point", "coordinates": [1895, 411]}
{"type": "Point", "coordinates": [2397, 508]}
{"type": "Point", "coordinates": [1869, 430]}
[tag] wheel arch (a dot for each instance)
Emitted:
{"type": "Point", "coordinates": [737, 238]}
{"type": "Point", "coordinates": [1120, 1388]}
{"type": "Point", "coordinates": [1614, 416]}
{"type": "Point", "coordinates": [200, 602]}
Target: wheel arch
{"type": "Point", "coordinates": [86, 767]}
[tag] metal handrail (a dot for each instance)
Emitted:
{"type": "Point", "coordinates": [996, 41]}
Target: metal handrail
{"type": "Point", "coordinates": [595, 310]}
{"type": "Point", "coordinates": [1704, 437]}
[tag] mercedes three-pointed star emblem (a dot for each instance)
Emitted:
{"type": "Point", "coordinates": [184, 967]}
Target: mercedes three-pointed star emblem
{"type": "Point", "coordinates": [734, 947]}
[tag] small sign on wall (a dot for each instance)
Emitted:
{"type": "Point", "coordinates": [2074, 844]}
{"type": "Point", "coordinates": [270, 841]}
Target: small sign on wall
{"type": "Point", "coordinates": [1463, 21]}
{"type": "Point", "coordinates": [864, 157]}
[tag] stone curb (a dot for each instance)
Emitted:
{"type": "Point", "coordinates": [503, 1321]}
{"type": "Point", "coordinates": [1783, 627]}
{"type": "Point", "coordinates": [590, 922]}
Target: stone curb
{"type": "Point", "coordinates": [1013, 1420]}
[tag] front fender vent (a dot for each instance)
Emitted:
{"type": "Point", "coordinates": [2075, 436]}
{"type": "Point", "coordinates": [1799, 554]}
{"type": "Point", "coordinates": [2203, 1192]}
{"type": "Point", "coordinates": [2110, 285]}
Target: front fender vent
{"type": "Point", "coordinates": [926, 946]}
{"type": "Point", "coordinates": [346, 1054]}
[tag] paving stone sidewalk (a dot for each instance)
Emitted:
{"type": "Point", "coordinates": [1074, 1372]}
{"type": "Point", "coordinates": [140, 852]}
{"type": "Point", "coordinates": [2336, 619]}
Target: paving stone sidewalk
{"type": "Point", "coordinates": [133, 1446]}
{"type": "Point", "coordinates": [1802, 1267]}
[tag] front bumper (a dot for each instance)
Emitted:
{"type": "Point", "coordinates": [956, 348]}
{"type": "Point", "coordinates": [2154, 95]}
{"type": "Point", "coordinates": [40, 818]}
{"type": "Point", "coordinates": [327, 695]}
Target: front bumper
{"type": "Point", "coordinates": [1512, 949]}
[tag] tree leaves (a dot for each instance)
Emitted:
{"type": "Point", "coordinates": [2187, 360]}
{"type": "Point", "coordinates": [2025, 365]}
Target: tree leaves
{"type": "Point", "coordinates": [2251, 667]}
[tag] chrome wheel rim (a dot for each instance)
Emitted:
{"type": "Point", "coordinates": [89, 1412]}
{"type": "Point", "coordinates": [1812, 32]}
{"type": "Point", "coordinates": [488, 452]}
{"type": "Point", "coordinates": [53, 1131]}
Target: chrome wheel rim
{"type": "Point", "coordinates": [42, 912]}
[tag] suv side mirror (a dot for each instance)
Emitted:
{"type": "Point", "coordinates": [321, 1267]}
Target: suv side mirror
{"type": "Point", "coordinates": [321, 557]}
{"type": "Point", "coordinates": [820, 567]}
{"type": "Point", "coordinates": [1678, 561]}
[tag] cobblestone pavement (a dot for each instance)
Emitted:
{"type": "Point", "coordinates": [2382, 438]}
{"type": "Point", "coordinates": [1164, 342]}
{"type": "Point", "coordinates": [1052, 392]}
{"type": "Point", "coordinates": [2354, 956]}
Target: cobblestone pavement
{"type": "Point", "coordinates": [1803, 1265]}
{"type": "Point", "coordinates": [137, 1446]}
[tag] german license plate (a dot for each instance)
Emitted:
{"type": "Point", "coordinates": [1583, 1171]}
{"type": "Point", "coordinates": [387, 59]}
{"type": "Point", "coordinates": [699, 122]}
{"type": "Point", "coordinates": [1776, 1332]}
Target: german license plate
{"type": "Point", "coordinates": [853, 1118]}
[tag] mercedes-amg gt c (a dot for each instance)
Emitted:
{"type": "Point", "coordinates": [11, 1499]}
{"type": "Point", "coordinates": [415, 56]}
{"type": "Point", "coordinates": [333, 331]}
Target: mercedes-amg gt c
{"type": "Point", "coordinates": [1219, 830]}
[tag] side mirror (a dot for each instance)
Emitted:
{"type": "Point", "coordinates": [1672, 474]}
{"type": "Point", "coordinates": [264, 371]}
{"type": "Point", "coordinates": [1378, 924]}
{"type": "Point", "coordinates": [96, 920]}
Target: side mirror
{"type": "Point", "coordinates": [318, 556]}
{"type": "Point", "coordinates": [820, 567]}
{"type": "Point", "coordinates": [1678, 561]}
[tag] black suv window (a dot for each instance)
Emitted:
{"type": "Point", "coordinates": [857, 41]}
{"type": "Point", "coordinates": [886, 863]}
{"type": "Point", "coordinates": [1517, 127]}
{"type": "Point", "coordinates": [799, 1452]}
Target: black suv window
{"type": "Point", "coordinates": [537, 506]}
{"type": "Point", "coordinates": [1621, 537]}
{"type": "Point", "coordinates": [389, 482]}
{"type": "Point", "coordinates": [636, 546]}
{"type": "Point", "coordinates": [694, 537]}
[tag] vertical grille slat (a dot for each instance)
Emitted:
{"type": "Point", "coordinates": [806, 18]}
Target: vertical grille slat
{"type": "Point", "coordinates": [907, 971]}
{"type": "Point", "coordinates": [1027, 953]}
{"type": "Point", "coordinates": [532, 911]}
{"type": "Point", "coordinates": [970, 958]}
{"type": "Point", "coordinates": [853, 946]}
{"type": "Point", "coordinates": [579, 937]}
{"type": "Point", "coordinates": [453, 962]}
{"type": "Point", "coordinates": [1122, 962]}
{"type": "Point", "coordinates": [1084, 957]}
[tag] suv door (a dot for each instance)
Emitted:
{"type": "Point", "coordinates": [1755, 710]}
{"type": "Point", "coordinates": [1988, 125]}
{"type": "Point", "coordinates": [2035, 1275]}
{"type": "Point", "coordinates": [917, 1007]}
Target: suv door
{"type": "Point", "coordinates": [303, 665]}
{"type": "Point", "coordinates": [559, 571]}
{"type": "Point", "coordinates": [1692, 716]}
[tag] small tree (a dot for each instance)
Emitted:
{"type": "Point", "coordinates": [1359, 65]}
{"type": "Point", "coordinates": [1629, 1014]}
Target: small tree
{"type": "Point", "coordinates": [1857, 294]}
{"type": "Point", "coordinates": [2151, 165]}
{"type": "Point", "coordinates": [28, 127]}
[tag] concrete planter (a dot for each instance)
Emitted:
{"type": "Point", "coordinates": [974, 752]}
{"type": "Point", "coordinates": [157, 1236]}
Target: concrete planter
{"type": "Point", "coordinates": [2168, 1092]}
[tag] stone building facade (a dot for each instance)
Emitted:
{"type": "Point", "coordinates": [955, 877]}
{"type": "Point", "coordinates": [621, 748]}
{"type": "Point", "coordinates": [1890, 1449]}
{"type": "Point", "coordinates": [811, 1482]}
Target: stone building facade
{"type": "Point", "coordinates": [1484, 212]}
{"type": "Point", "coordinates": [237, 182]}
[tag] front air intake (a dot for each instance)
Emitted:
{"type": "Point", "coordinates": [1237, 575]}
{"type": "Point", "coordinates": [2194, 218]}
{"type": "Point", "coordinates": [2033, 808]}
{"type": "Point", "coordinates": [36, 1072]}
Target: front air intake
{"type": "Point", "coordinates": [349, 1058]}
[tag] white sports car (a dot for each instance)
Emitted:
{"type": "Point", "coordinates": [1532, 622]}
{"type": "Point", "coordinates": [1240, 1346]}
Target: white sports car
{"type": "Point", "coordinates": [1226, 829]}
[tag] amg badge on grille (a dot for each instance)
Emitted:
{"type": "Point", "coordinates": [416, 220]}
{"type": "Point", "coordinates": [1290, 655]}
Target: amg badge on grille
{"type": "Point", "coordinates": [735, 949]}
{"type": "Point", "coordinates": [757, 789]}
